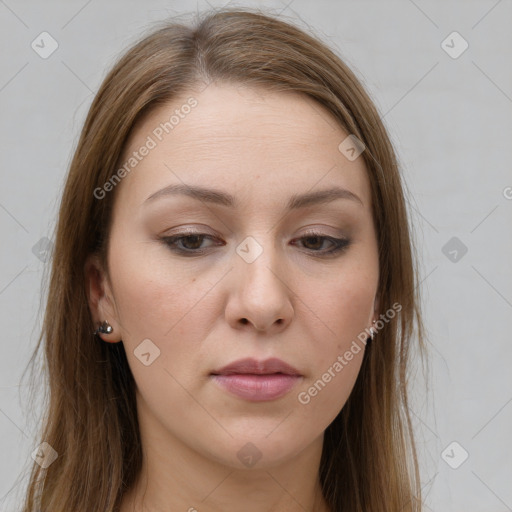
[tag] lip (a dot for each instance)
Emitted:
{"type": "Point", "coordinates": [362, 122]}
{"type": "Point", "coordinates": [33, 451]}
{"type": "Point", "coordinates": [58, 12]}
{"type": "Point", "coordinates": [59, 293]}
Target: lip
{"type": "Point", "coordinates": [255, 367]}
{"type": "Point", "coordinates": [257, 381]}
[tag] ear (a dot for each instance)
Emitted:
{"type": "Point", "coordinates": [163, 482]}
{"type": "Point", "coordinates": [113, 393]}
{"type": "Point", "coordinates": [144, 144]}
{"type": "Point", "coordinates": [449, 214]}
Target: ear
{"type": "Point", "coordinates": [100, 298]}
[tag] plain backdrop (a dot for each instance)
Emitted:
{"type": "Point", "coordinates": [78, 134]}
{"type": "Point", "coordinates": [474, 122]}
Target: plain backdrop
{"type": "Point", "coordinates": [448, 109]}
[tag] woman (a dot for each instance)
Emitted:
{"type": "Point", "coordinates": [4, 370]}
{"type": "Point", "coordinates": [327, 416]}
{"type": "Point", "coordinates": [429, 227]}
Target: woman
{"type": "Point", "coordinates": [233, 294]}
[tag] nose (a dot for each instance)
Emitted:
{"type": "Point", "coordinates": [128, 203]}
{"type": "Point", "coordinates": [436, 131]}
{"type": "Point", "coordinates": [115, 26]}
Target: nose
{"type": "Point", "coordinates": [259, 296]}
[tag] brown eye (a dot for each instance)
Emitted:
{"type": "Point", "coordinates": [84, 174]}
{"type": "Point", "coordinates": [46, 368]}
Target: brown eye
{"type": "Point", "coordinates": [188, 244]}
{"type": "Point", "coordinates": [192, 242]}
{"type": "Point", "coordinates": [314, 242]}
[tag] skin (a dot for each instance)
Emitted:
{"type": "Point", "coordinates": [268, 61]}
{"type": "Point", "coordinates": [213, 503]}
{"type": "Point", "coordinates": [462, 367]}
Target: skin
{"type": "Point", "coordinates": [302, 307]}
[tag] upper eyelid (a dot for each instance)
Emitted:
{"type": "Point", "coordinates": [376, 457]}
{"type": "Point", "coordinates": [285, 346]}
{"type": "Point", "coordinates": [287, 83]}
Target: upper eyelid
{"type": "Point", "coordinates": [309, 231]}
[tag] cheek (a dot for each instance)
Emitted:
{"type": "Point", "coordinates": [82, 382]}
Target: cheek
{"type": "Point", "coordinates": [153, 297]}
{"type": "Point", "coordinates": [342, 309]}
{"type": "Point", "coordinates": [342, 303]}
{"type": "Point", "coordinates": [166, 307]}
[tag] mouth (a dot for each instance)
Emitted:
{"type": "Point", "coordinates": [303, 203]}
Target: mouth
{"type": "Point", "coordinates": [257, 381]}
{"type": "Point", "coordinates": [254, 367]}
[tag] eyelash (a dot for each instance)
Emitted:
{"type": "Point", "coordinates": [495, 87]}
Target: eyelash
{"type": "Point", "coordinates": [340, 244]}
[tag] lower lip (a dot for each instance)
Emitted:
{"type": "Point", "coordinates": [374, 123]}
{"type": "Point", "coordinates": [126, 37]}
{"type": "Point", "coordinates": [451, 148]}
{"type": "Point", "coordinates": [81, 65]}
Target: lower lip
{"type": "Point", "coordinates": [257, 388]}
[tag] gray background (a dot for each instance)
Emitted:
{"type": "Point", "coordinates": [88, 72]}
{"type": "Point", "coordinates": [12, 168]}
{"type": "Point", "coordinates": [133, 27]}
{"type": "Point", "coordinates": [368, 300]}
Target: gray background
{"type": "Point", "coordinates": [450, 119]}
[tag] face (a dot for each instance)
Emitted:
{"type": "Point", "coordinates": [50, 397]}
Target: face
{"type": "Point", "coordinates": [246, 270]}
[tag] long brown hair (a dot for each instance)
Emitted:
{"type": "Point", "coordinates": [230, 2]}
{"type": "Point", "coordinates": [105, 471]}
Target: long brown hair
{"type": "Point", "coordinates": [369, 460]}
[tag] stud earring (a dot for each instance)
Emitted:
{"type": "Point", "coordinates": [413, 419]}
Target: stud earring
{"type": "Point", "coordinates": [104, 328]}
{"type": "Point", "coordinates": [372, 332]}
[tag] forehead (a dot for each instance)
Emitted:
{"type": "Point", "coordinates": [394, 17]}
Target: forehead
{"type": "Point", "coordinates": [261, 143]}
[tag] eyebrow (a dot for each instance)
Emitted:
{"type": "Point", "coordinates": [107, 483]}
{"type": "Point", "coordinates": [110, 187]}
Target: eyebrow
{"type": "Point", "coordinates": [219, 197]}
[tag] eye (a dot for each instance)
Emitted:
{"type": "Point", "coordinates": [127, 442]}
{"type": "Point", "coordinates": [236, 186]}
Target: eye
{"type": "Point", "coordinates": [187, 243]}
{"type": "Point", "coordinates": [191, 243]}
{"type": "Point", "coordinates": [315, 241]}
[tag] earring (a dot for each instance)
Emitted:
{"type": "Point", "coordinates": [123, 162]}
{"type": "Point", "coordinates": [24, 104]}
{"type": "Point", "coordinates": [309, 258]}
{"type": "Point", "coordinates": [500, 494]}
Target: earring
{"type": "Point", "coordinates": [372, 333]}
{"type": "Point", "coordinates": [104, 328]}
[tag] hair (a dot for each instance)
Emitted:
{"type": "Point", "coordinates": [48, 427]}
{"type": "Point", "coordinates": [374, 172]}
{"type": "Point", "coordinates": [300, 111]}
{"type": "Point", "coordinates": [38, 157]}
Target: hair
{"type": "Point", "coordinates": [369, 461]}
